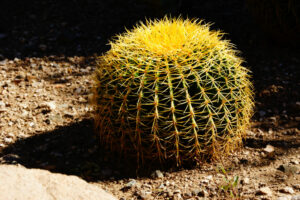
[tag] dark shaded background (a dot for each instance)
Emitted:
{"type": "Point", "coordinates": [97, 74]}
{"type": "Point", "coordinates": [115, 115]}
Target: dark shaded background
{"type": "Point", "coordinates": [83, 27]}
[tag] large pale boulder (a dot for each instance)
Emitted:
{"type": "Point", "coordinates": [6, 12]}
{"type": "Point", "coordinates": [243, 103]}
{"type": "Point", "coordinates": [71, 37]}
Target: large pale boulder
{"type": "Point", "coordinates": [20, 183]}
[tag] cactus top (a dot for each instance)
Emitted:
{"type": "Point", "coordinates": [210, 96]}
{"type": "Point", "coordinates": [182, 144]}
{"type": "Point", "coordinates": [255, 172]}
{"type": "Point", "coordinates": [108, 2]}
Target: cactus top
{"type": "Point", "coordinates": [170, 37]}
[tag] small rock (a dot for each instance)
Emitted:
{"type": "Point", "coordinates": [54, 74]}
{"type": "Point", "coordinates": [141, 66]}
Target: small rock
{"type": "Point", "coordinates": [295, 162]}
{"type": "Point", "coordinates": [63, 106]}
{"type": "Point", "coordinates": [161, 186]}
{"type": "Point", "coordinates": [68, 115]}
{"type": "Point", "coordinates": [56, 118]}
{"type": "Point", "coordinates": [288, 169]}
{"type": "Point", "coordinates": [2, 110]}
{"type": "Point", "coordinates": [296, 197]}
{"type": "Point", "coordinates": [11, 158]}
{"type": "Point", "coordinates": [157, 174]}
{"type": "Point", "coordinates": [78, 90]}
{"type": "Point", "coordinates": [2, 145]}
{"type": "Point", "coordinates": [8, 140]}
{"type": "Point", "coordinates": [177, 196]}
{"type": "Point", "coordinates": [177, 191]}
{"type": "Point", "coordinates": [264, 191]}
{"type": "Point", "coordinates": [145, 195]}
{"type": "Point", "coordinates": [2, 104]}
{"type": "Point", "coordinates": [205, 181]}
{"type": "Point", "coordinates": [296, 186]}
{"type": "Point", "coordinates": [31, 124]}
{"type": "Point", "coordinates": [130, 184]}
{"type": "Point", "coordinates": [287, 190]}
{"type": "Point", "coordinates": [284, 198]}
{"type": "Point", "coordinates": [269, 149]}
{"type": "Point", "coordinates": [51, 105]}
{"type": "Point", "coordinates": [245, 181]}
{"type": "Point", "coordinates": [170, 193]}
{"type": "Point", "coordinates": [33, 65]}
{"type": "Point", "coordinates": [199, 192]}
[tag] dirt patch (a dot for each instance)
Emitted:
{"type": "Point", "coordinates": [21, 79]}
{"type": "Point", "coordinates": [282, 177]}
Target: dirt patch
{"type": "Point", "coordinates": [46, 120]}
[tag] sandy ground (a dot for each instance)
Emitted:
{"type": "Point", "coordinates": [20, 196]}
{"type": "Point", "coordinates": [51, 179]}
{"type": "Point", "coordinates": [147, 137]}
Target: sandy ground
{"type": "Point", "coordinates": [46, 120]}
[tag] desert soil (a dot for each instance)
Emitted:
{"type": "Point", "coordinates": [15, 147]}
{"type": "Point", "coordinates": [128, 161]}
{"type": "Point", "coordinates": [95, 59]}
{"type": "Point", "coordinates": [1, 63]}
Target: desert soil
{"type": "Point", "coordinates": [47, 59]}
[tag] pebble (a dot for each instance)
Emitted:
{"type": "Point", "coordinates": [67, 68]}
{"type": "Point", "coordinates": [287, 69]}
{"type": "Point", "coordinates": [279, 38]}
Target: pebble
{"type": "Point", "coordinates": [82, 100]}
{"type": "Point", "coordinates": [131, 183]}
{"type": "Point", "coordinates": [145, 195]}
{"type": "Point", "coordinates": [11, 135]}
{"type": "Point", "coordinates": [295, 162]}
{"type": "Point", "coordinates": [296, 186]}
{"type": "Point", "coordinates": [284, 198]}
{"type": "Point", "coordinates": [11, 158]}
{"type": "Point", "coordinates": [296, 197]}
{"type": "Point", "coordinates": [264, 191]}
{"type": "Point", "coordinates": [288, 169]}
{"type": "Point", "coordinates": [2, 104]}
{"type": "Point", "coordinates": [269, 149]}
{"type": "Point", "coordinates": [177, 191]}
{"type": "Point", "coordinates": [199, 192]}
{"type": "Point", "coordinates": [51, 105]}
{"type": "Point", "coordinates": [287, 190]}
{"type": "Point", "coordinates": [78, 90]}
{"type": "Point", "coordinates": [157, 174]}
{"type": "Point", "coordinates": [8, 140]}
{"type": "Point", "coordinates": [177, 196]}
{"type": "Point", "coordinates": [245, 181]}
{"type": "Point", "coordinates": [55, 118]}
{"type": "Point", "coordinates": [170, 193]}
{"type": "Point", "coordinates": [161, 187]}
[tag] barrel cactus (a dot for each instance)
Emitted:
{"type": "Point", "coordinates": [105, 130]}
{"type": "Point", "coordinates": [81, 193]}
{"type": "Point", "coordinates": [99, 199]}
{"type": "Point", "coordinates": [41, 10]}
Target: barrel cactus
{"type": "Point", "coordinates": [172, 89]}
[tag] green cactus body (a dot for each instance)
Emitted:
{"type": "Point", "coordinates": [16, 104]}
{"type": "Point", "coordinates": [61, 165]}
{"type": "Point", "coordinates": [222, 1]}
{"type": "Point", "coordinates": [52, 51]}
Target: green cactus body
{"type": "Point", "coordinates": [172, 89]}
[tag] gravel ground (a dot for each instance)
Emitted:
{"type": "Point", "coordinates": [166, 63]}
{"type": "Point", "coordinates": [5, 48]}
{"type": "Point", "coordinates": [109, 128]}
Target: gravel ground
{"type": "Point", "coordinates": [47, 58]}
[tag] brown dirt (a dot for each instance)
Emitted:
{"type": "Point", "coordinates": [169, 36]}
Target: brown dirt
{"type": "Point", "coordinates": [47, 58]}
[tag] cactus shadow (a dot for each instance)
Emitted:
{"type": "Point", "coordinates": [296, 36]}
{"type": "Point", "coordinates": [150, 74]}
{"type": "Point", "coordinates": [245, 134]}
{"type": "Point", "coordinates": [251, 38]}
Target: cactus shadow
{"type": "Point", "coordinates": [74, 150]}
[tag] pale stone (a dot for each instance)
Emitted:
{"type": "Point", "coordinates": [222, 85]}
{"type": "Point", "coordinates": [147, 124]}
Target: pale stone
{"type": "Point", "coordinates": [265, 191]}
{"type": "Point", "coordinates": [20, 183]}
{"type": "Point", "coordinates": [269, 149]}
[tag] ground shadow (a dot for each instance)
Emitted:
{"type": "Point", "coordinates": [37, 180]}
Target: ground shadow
{"type": "Point", "coordinates": [70, 149]}
{"type": "Point", "coordinates": [75, 150]}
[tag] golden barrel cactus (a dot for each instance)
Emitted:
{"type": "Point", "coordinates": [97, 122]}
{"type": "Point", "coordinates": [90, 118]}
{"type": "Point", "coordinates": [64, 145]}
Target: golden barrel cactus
{"type": "Point", "coordinates": [172, 89]}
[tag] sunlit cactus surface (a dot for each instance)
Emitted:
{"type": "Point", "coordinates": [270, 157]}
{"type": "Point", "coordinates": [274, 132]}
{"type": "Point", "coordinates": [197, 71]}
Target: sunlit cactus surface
{"type": "Point", "coordinates": [172, 89]}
